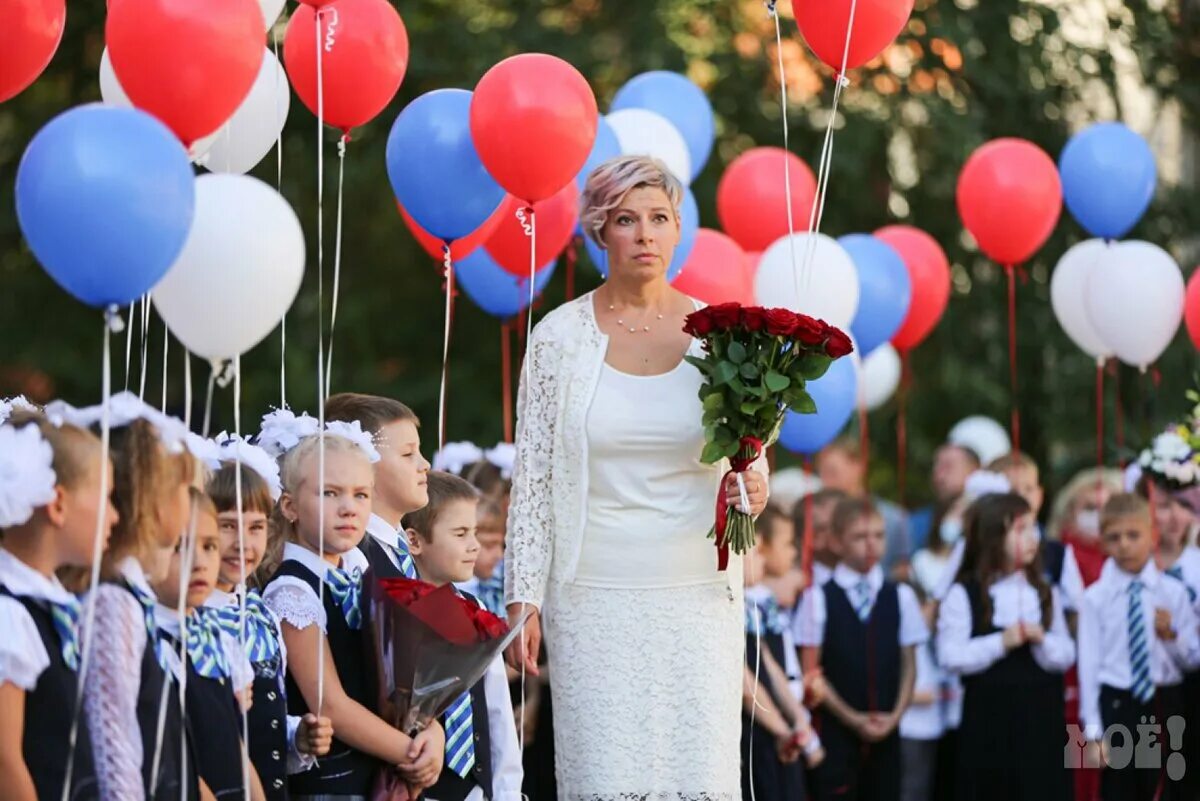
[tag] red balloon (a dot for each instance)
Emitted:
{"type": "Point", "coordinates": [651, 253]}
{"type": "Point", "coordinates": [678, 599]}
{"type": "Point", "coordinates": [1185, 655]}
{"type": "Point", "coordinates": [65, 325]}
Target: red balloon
{"type": "Point", "coordinates": [189, 64]}
{"type": "Point", "coordinates": [556, 219]}
{"type": "Point", "coordinates": [533, 119]}
{"type": "Point", "coordinates": [364, 56]}
{"type": "Point", "coordinates": [1191, 308]}
{"type": "Point", "coordinates": [32, 31]}
{"type": "Point", "coordinates": [876, 24]}
{"type": "Point", "coordinates": [752, 201]}
{"type": "Point", "coordinates": [1009, 198]}
{"type": "Point", "coordinates": [715, 271]}
{"type": "Point", "coordinates": [459, 248]}
{"type": "Point", "coordinates": [929, 271]}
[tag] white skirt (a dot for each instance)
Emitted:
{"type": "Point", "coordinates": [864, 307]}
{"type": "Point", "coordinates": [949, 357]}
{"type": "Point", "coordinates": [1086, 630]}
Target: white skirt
{"type": "Point", "coordinates": [646, 686]}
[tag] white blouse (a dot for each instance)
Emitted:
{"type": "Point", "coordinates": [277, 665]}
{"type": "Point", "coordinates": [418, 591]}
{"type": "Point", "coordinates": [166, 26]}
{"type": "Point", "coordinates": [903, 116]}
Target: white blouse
{"type": "Point", "coordinates": [23, 655]}
{"type": "Point", "coordinates": [1013, 600]}
{"type": "Point", "coordinates": [112, 683]}
{"type": "Point", "coordinates": [650, 500]}
{"type": "Point", "coordinates": [292, 599]}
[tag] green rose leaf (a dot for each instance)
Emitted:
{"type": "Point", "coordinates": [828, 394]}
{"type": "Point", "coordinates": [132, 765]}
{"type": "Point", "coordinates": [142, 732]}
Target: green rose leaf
{"type": "Point", "coordinates": [749, 371]}
{"type": "Point", "coordinates": [723, 372]}
{"type": "Point", "coordinates": [712, 453]}
{"type": "Point", "coordinates": [804, 404]}
{"type": "Point", "coordinates": [736, 352]}
{"type": "Point", "coordinates": [777, 382]}
{"type": "Point", "coordinates": [701, 364]}
{"type": "Point", "coordinates": [813, 365]}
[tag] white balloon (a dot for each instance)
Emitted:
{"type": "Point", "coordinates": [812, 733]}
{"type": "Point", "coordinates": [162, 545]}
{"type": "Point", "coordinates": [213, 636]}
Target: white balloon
{"type": "Point", "coordinates": [645, 133]}
{"type": "Point", "coordinates": [248, 136]}
{"type": "Point", "coordinates": [828, 290]}
{"type": "Point", "coordinates": [270, 11]}
{"type": "Point", "coordinates": [880, 376]}
{"type": "Point", "coordinates": [239, 271]}
{"type": "Point", "coordinates": [1068, 296]}
{"type": "Point", "coordinates": [112, 93]}
{"type": "Point", "coordinates": [1135, 301]}
{"type": "Point", "coordinates": [983, 435]}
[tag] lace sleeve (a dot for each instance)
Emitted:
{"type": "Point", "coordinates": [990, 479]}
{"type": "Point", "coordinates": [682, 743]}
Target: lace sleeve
{"type": "Point", "coordinates": [111, 693]}
{"type": "Point", "coordinates": [294, 603]}
{"type": "Point", "coordinates": [531, 515]}
{"type": "Point", "coordinates": [23, 655]}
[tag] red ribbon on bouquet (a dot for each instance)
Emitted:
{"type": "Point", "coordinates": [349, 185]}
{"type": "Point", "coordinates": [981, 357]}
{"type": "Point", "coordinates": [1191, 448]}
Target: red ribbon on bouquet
{"type": "Point", "coordinates": [749, 449]}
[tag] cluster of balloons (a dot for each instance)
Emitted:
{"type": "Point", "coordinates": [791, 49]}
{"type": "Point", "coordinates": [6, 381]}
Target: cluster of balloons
{"type": "Point", "coordinates": [466, 167]}
{"type": "Point", "coordinates": [1123, 299]}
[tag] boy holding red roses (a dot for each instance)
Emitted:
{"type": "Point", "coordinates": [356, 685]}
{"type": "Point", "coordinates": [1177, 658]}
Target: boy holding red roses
{"type": "Point", "coordinates": [483, 756]}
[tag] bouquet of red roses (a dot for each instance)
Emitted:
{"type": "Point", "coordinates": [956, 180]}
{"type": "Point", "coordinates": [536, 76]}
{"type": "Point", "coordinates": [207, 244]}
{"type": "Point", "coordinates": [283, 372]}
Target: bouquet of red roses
{"type": "Point", "coordinates": [430, 645]}
{"type": "Point", "coordinates": [756, 364]}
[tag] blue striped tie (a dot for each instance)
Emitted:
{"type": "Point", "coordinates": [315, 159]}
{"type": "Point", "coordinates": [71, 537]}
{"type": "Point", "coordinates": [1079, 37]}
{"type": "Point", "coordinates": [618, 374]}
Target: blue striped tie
{"type": "Point", "coordinates": [260, 636]}
{"type": "Point", "coordinates": [204, 646]}
{"type": "Point", "coordinates": [862, 606]}
{"type": "Point", "coordinates": [346, 588]}
{"type": "Point", "coordinates": [148, 602]}
{"type": "Point", "coordinates": [1141, 687]}
{"type": "Point", "coordinates": [460, 736]}
{"type": "Point", "coordinates": [401, 557]}
{"type": "Point", "coordinates": [66, 622]}
{"type": "Point", "coordinates": [1176, 571]}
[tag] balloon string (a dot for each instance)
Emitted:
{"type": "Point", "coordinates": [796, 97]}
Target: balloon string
{"type": "Point", "coordinates": [144, 338]}
{"type": "Point", "coordinates": [1100, 412]}
{"type": "Point", "coordinates": [321, 552]}
{"type": "Point", "coordinates": [1119, 413]}
{"type": "Point", "coordinates": [112, 322]}
{"type": "Point", "coordinates": [208, 401]}
{"type": "Point", "coordinates": [864, 442]}
{"type": "Point", "coordinates": [241, 530]}
{"type": "Point", "coordinates": [279, 188]}
{"type": "Point", "coordinates": [128, 342]}
{"type": "Point", "coordinates": [902, 424]}
{"type": "Point", "coordinates": [448, 272]}
{"type": "Point", "coordinates": [337, 258]}
{"type": "Point", "coordinates": [320, 357]}
{"type": "Point", "coordinates": [506, 378]}
{"type": "Point", "coordinates": [166, 344]}
{"type": "Point", "coordinates": [572, 259]}
{"type": "Point", "coordinates": [187, 389]}
{"type": "Point", "coordinates": [187, 551]}
{"type": "Point", "coordinates": [1011, 272]}
{"type": "Point", "coordinates": [530, 227]}
{"type": "Point", "coordinates": [787, 177]}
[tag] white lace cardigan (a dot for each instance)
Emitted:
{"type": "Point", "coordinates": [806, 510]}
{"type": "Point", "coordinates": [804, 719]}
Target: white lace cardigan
{"type": "Point", "coordinates": [548, 506]}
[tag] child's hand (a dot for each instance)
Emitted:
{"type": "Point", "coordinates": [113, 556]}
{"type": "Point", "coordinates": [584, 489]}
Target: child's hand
{"type": "Point", "coordinates": [1034, 633]}
{"type": "Point", "coordinates": [245, 697]}
{"type": "Point", "coordinates": [314, 735]}
{"type": "Point", "coordinates": [815, 689]}
{"type": "Point", "coordinates": [787, 749]}
{"type": "Point", "coordinates": [1014, 637]}
{"type": "Point", "coordinates": [1095, 754]}
{"type": "Point", "coordinates": [425, 757]}
{"type": "Point", "coordinates": [878, 726]}
{"type": "Point", "coordinates": [1162, 625]}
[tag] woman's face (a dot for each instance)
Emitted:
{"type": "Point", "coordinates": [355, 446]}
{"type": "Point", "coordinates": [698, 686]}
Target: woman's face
{"type": "Point", "coordinates": [641, 234]}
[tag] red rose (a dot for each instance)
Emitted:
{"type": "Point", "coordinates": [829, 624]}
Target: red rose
{"type": "Point", "coordinates": [725, 316]}
{"type": "Point", "coordinates": [754, 318]}
{"type": "Point", "coordinates": [839, 344]}
{"type": "Point", "coordinates": [698, 324]}
{"type": "Point", "coordinates": [808, 331]}
{"type": "Point", "coordinates": [404, 591]}
{"type": "Point", "coordinates": [780, 322]}
{"type": "Point", "coordinates": [487, 625]}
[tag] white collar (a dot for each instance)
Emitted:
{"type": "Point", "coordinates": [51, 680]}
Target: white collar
{"type": "Point", "coordinates": [1121, 580]}
{"type": "Point", "coordinates": [757, 593]}
{"type": "Point", "coordinates": [471, 585]}
{"type": "Point", "coordinates": [219, 598]}
{"type": "Point", "coordinates": [23, 580]}
{"type": "Point", "coordinates": [167, 619]}
{"type": "Point", "coordinates": [848, 578]}
{"type": "Point", "coordinates": [131, 570]}
{"type": "Point", "coordinates": [298, 553]}
{"type": "Point", "coordinates": [383, 531]}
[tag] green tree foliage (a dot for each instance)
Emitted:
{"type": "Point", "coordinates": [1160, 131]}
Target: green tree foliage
{"type": "Point", "coordinates": [963, 72]}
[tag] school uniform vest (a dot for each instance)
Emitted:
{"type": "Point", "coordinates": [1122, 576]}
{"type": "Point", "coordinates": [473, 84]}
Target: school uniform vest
{"type": "Point", "coordinates": [49, 714]}
{"type": "Point", "coordinates": [1054, 555]}
{"type": "Point", "coordinates": [1011, 738]}
{"type": "Point", "coordinates": [169, 785]}
{"type": "Point", "coordinates": [452, 787]}
{"type": "Point", "coordinates": [381, 564]}
{"type": "Point", "coordinates": [214, 719]}
{"type": "Point", "coordinates": [344, 770]}
{"type": "Point", "coordinates": [861, 659]}
{"type": "Point", "coordinates": [268, 743]}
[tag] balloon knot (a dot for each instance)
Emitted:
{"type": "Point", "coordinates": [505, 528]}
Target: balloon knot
{"type": "Point", "coordinates": [112, 319]}
{"type": "Point", "coordinates": [524, 215]}
{"type": "Point", "coordinates": [223, 372]}
{"type": "Point", "coordinates": [842, 79]}
{"type": "Point", "coordinates": [342, 145]}
{"type": "Point", "coordinates": [770, 4]}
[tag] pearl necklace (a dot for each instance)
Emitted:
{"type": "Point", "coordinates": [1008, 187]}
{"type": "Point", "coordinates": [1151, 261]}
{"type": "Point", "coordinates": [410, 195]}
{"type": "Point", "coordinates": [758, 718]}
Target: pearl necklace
{"type": "Point", "coordinates": [632, 329]}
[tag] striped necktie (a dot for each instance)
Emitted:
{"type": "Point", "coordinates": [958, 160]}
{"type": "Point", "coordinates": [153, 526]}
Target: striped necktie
{"type": "Point", "coordinates": [1141, 686]}
{"type": "Point", "coordinates": [65, 615]}
{"type": "Point", "coordinates": [491, 595]}
{"type": "Point", "coordinates": [401, 557]}
{"type": "Point", "coordinates": [148, 602]}
{"type": "Point", "coordinates": [862, 602]}
{"type": "Point", "coordinates": [204, 646]}
{"type": "Point", "coordinates": [460, 736]}
{"type": "Point", "coordinates": [346, 588]}
{"type": "Point", "coordinates": [260, 635]}
{"type": "Point", "coordinates": [1176, 571]}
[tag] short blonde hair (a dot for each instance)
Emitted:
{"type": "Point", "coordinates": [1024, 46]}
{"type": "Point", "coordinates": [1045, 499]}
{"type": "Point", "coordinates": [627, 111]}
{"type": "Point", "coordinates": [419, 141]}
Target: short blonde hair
{"type": "Point", "coordinates": [614, 179]}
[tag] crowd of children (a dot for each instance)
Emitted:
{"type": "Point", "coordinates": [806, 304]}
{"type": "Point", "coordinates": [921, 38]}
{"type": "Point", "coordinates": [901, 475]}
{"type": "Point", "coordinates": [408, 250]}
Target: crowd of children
{"type": "Point", "coordinates": [209, 594]}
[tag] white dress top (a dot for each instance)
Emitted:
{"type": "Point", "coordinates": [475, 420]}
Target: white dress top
{"type": "Point", "coordinates": [23, 655]}
{"type": "Point", "coordinates": [650, 500]}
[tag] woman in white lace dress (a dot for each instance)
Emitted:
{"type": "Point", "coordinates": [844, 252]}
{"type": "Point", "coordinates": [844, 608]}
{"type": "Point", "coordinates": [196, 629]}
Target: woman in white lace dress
{"type": "Point", "coordinates": [610, 507]}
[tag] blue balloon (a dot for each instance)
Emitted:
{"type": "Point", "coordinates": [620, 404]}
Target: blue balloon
{"type": "Point", "coordinates": [105, 198]}
{"type": "Point", "coordinates": [605, 147]}
{"type": "Point", "coordinates": [682, 102]}
{"type": "Point", "coordinates": [689, 225]}
{"type": "Point", "coordinates": [1108, 177]}
{"type": "Point", "coordinates": [885, 290]}
{"type": "Point", "coordinates": [494, 289]}
{"type": "Point", "coordinates": [835, 394]}
{"type": "Point", "coordinates": [434, 169]}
